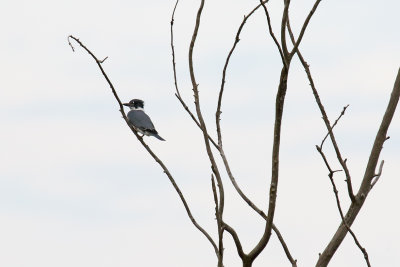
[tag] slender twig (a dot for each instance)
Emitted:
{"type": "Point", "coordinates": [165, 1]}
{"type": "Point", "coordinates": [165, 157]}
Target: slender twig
{"type": "Point", "coordinates": [334, 124]}
{"type": "Point", "coordinates": [177, 94]}
{"type": "Point", "coordinates": [272, 33]}
{"type": "Point", "coordinates": [330, 175]}
{"type": "Point", "coordinates": [378, 175]}
{"type": "Point", "coordinates": [195, 120]}
{"type": "Point", "coordinates": [154, 156]}
{"type": "Point", "coordinates": [303, 28]}
{"type": "Point", "coordinates": [173, 48]}
{"type": "Point", "coordinates": [324, 116]}
{"type": "Point", "coordinates": [365, 186]}
{"type": "Point", "coordinates": [221, 91]}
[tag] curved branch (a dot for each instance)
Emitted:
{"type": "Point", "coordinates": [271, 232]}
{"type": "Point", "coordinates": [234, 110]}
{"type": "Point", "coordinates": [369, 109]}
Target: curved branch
{"type": "Point", "coordinates": [221, 91]}
{"type": "Point", "coordinates": [177, 94]}
{"type": "Point", "coordinates": [203, 127]}
{"type": "Point", "coordinates": [154, 156]}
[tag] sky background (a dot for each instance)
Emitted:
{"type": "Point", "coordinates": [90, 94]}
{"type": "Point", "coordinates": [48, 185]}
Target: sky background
{"type": "Point", "coordinates": [76, 187]}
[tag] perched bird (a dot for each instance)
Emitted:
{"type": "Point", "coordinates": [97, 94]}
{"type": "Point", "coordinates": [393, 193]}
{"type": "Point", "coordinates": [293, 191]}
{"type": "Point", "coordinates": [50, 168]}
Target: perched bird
{"type": "Point", "coordinates": [139, 119]}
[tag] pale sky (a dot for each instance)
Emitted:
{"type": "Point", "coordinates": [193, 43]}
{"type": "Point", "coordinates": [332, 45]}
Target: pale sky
{"type": "Point", "coordinates": [76, 187]}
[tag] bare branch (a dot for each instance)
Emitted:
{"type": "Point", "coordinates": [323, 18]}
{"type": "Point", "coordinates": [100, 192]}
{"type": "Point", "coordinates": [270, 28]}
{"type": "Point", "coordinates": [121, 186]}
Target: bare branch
{"type": "Point", "coordinates": [218, 216]}
{"type": "Point", "coordinates": [173, 49]}
{"type": "Point", "coordinates": [221, 91]}
{"type": "Point", "coordinates": [285, 18]}
{"type": "Point", "coordinates": [330, 175]}
{"type": "Point", "coordinates": [177, 94]}
{"type": "Point", "coordinates": [333, 126]}
{"type": "Point", "coordinates": [154, 156]}
{"type": "Point", "coordinates": [378, 175]}
{"type": "Point", "coordinates": [235, 239]}
{"type": "Point", "coordinates": [363, 250]}
{"type": "Point", "coordinates": [272, 33]}
{"type": "Point", "coordinates": [365, 187]}
{"type": "Point", "coordinates": [303, 29]}
{"type": "Point", "coordinates": [279, 104]}
{"type": "Point", "coordinates": [203, 127]}
{"type": "Point", "coordinates": [324, 116]}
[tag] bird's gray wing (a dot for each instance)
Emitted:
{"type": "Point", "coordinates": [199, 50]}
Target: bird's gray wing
{"type": "Point", "coordinates": [140, 120]}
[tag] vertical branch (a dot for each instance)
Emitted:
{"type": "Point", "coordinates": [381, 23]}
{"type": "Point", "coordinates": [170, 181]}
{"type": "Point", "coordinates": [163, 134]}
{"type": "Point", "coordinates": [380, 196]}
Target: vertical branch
{"type": "Point", "coordinates": [221, 150]}
{"type": "Point", "coordinates": [203, 127]}
{"type": "Point", "coordinates": [279, 104]}
{"type": "Point", "coordinates": [285, 17]}
{"type": "Point", "coordinates": [218, 216]}
{"type": "Point", "coordinates": [214, 166]}
{"type": "Point", "coordinates": [178, 95]}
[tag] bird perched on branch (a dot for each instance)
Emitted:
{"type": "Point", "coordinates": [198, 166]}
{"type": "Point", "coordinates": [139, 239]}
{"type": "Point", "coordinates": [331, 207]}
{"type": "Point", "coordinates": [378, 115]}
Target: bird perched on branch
{"type": "Point", "coordinates": [139, 119]}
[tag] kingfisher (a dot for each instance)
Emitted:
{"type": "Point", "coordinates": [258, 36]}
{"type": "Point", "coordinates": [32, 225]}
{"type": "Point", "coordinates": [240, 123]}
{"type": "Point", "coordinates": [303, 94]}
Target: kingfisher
{"type": "Point", "coordinates": [140, 120]}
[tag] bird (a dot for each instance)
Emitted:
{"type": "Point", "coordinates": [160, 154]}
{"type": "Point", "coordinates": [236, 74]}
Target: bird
{"type": "Point", "coordinates": [140, 120]}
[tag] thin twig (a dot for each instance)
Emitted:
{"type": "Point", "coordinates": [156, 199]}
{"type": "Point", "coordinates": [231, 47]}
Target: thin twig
{"type": "Point", "coordinates": [365, 186]}
{"type": "Point", "coordinates": [303, 29]}
{"type": "Point", "coordinates": [272, 33]}
{"type": "Point", "coordinates": [333, 126]}
{"type": "Point", "coordinates": [177, 94]}
{"type": "Point", "coordinates": [154, 156]}
{"type": "Point", "coordinates": [173, 48]}
{"type": "Point", "coordinates": [221, 91]}
{"type": "Point", "coordinates": [330, 175]}
{"type": "Point", "coordinates": [378, 175]}
{"type": "Point", "coordinates": [324, 115]}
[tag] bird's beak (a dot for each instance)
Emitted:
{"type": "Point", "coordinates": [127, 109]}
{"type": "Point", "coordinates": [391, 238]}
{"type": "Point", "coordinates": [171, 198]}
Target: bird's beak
{"type": "Point", "coordinates": [126, 104]}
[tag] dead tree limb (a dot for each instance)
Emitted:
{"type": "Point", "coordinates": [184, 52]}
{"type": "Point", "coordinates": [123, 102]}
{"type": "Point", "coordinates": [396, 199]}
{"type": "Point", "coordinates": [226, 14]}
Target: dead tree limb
{"type": "Point", "coordinates": [367, 183]}
{"type": "Point", "coordinates": [149, 150]}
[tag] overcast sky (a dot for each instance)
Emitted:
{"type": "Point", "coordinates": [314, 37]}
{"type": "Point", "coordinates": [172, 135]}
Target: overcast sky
{"type": "Point", "coordinates": [76, 187]}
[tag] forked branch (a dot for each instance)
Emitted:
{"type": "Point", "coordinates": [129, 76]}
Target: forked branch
{"type": "Point", "coordinates": [367, 182]}
{"type": "Point", "coordinates": [324, 116]}
{"type": "Point", "coordinates": [178, 94]}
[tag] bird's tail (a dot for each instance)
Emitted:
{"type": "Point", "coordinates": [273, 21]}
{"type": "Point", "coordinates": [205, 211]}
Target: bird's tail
{"type": "Point", "coordinates": [158, 137]}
